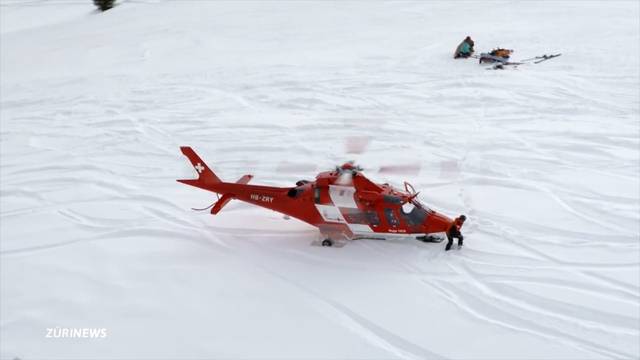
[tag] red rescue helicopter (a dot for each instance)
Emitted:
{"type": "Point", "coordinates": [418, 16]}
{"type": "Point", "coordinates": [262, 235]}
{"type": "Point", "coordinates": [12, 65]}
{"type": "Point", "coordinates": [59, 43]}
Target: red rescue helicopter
{"type": "Point", "coordinates": [343, 204]}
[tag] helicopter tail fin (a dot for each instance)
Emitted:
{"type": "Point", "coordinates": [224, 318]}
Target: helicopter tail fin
{"type": "Point", "coordinates": [205, 174]}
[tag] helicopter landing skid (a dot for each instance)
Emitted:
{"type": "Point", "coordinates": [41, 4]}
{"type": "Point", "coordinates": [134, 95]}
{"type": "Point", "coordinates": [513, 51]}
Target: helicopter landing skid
{"type": "Point", "coordinates": [333, 239]}
{"type": "Point", "coordinates": [430, 238]}
{"type": "Point", "coordinates": [326, 242]}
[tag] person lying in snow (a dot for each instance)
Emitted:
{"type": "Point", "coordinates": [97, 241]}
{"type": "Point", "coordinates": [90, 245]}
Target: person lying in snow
{"type": "Point", "coordinates": [465, 49]}
{"type": "Point", "coordinates": [503, 53]}
{"type": "Point", "coordinates": [496, 55]}
{"type": "Point", "coordinates": [454, 232]}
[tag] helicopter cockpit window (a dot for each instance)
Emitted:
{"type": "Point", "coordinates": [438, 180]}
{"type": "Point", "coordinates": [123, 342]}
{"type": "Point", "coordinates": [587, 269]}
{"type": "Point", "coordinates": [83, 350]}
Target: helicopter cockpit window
{"type": "Point", "coordinates": [390, 199]}
{"type": "Point", "coordinates": [419, 204]}
{"type": "Point", "coordinates": [316, 195]}
{"type": "Point", "coordinates": [407, 208]}
{"type": "Point", "coordinates": [412, 214]}
{"type": "Point", "coordinates": [392, 220]}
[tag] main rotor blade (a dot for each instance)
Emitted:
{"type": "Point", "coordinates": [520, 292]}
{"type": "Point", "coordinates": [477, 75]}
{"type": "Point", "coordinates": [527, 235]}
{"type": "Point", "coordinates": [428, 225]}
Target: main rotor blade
{"type": "Point", "coordinates": [296, 168]}
{"type": "Point", "coordinates": [403, 169]}
{"type": "Point", "coordinates": [357, 144]}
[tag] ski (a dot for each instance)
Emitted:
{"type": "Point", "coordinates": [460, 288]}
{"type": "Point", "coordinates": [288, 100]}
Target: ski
{"type": "Point", "coordinates": [501, 66]}
{"type": "Point", "coordinates": [430, 238]}
{"type": "Point", "coordinates": [533, 58]}
{"type": "Point", "coordinates": [541, 58]}
{"type": "Point", "coordinates": [546, 57]}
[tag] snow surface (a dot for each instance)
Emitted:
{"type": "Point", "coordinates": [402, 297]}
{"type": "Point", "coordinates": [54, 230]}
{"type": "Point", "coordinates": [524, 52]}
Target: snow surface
{"type": "Point", "coordinates": [544, 160]}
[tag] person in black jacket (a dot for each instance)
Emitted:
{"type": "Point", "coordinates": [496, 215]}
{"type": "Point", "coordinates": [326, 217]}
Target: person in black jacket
{"type": "Point", "coordinates": [454, 232]}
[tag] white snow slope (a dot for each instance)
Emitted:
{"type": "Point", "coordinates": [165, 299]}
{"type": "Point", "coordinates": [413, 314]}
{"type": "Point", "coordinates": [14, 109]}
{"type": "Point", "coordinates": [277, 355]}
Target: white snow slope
{"type": "Point", "coordinates": [544, 160]}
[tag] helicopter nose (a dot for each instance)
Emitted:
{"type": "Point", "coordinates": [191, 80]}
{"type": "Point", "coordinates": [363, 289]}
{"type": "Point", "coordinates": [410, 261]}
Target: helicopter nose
{"type": "Point", "coordinates": [437, 222]}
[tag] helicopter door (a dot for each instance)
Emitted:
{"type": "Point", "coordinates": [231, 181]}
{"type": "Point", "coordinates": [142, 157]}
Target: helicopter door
{"type": "Point", "coordinates": [392, 219]}
{"type": "Point", "coordinates": [372, 218]}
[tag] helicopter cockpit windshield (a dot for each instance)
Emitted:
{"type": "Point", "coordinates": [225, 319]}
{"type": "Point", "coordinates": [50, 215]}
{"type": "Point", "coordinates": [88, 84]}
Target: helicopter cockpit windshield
{"type": "Point", "coordinates": [415, 212]}
{"type": "Point", "coordinates": [420, 204]}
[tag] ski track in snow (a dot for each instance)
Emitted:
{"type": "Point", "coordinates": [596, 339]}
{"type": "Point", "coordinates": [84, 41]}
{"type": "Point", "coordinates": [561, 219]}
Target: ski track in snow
{"type": "Point", "coordinates": [544, 160]}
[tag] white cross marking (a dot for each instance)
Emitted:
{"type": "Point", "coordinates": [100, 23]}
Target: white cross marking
{"type": "Point", "coordinates": [199, 168]}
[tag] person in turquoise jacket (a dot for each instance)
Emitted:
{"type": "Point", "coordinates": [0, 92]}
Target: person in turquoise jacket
{"type": "Point", "coordinates": [465, 49]}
